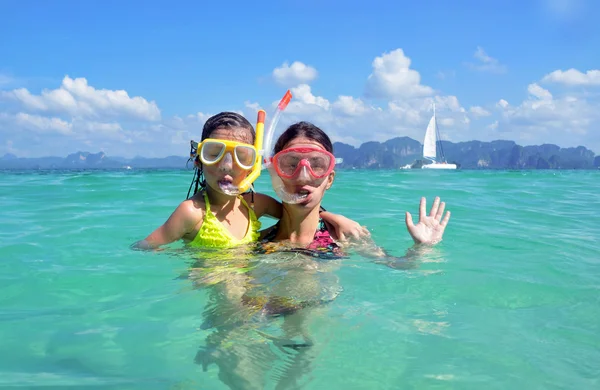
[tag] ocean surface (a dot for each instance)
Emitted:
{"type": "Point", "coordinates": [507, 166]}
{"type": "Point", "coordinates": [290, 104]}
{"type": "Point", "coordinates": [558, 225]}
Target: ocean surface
{"type": "Point", "coordinates": [509, 300]}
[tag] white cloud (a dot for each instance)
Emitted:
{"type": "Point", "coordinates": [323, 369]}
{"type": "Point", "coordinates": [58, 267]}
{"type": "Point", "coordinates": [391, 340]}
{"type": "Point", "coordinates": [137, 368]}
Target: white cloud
{"type": "Point", "coordinates": [573, 77]}
{"type": "Point", "coordinates": [393, 78]}
{"type": "Point", "coordinates": [52, 125]}
{"type": "Point", "coordinates": [479, 112]}
{"type": "Point", "coordinates": [38, 123]}
{"type": "Point", "coordinates": [502, 103]}
{"type": "Point", "coordinates": [303, 94]}
{"type": "Point", "coordinates": [566, 120]}
{"type": "Point", "coordinates": [76, 116]}
{"type": "Point", "coordinates": [354, 120]}
{"type": "Point", "coordinates": [348, 105]}
{"type": "Point", "coordinates": [485, 63]}
{"type": "Point", "coordinates": [294, 74]}
{"type": "Point", "coordinates": [493, 126]}
{"type": "Point", "coordinates": [539, 92]}
{"type": "Point", "coordinates": [76, 98]}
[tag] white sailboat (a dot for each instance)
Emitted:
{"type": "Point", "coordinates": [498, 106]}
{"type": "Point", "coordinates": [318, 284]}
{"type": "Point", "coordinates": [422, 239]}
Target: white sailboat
{"type": "Point", "coordinates": [430, 147]}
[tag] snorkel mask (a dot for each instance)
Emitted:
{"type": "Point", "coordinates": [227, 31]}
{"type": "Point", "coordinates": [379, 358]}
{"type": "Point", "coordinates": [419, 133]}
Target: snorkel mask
{"type": "Point", "coordinates": [247, 157]}
{"type": "Point", "coordinates": [310, 165]}
{"type": "Point", "coordinates": [276, 181]}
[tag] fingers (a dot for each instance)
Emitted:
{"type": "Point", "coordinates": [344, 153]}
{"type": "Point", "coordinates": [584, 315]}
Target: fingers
{"type": "Point", "coordinates": [422, 209]}
{"type": "Point", "coordinates": [446, 219]}
{"type": "Point", "coordinates": [440, 211]}
{"type": "Point", "coordinates": [366, 231]}
{"type": "Point", "coordinates": [434, 207]}
{"type": "Point", "coordinates": [409, 220]}
{"type": "Point", "coordinates": [360, 232]}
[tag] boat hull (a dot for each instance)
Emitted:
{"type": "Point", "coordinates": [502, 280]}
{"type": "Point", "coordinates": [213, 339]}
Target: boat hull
{"type": "Point", "coordinates": [439, 166]}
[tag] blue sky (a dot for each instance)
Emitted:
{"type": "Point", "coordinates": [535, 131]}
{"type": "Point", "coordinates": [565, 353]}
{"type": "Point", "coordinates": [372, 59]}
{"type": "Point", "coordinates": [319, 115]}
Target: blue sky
{"type": "Point", "coordinates": [140, 78]}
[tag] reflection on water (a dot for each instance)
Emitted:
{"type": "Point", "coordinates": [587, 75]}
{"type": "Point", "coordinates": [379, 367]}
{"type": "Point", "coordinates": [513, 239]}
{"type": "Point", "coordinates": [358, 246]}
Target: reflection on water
{"type": "Point", "coordinates": [259, 312]}
{"type": "Point", "coordinates": [260, 308]}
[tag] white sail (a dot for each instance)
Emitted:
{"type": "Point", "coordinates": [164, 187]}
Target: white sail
{"type": "Point", "coordinates": [430, 147]}
{"type": "Point", "coordinates": [429, 144]}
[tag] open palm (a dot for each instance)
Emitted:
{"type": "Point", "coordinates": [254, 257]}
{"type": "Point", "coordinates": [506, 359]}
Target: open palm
{"type": "Point", "coordinates": [430, 228]}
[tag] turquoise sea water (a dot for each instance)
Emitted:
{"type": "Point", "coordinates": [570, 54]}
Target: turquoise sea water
{"type": "Point", "coordinates": [509, 299]}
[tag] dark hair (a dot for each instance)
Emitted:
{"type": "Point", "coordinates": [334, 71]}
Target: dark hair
{"type": "Point", "coordinates": [223, 120]}
{"type": "Point", "coordinates": [303, 129]}
{"type": "Point", "coordinates": [226, 120]}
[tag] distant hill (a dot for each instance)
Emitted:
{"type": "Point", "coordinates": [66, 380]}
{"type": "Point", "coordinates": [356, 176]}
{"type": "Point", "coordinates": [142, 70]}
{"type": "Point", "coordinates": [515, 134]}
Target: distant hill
{"type": "Point", "coordinates": [391, 154]}
{"type": "Point", "coordinates": [398, 152]}
{"type": "Point", "coordinates": [87, 160]}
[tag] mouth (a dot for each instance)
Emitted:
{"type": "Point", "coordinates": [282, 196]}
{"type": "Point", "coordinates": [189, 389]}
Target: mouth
{"type": "Point", "coordinates": [226, 184]}
{"type": "Point", "coordinates": [304, 193]}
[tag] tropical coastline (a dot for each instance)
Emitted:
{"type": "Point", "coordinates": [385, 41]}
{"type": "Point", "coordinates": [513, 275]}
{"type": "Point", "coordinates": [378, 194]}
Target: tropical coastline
{"type": "Point", "coordinates": [391, 154]}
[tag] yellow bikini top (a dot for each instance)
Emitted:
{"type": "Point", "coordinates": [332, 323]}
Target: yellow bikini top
{"type": "Point", "coordinates": [213, 234]}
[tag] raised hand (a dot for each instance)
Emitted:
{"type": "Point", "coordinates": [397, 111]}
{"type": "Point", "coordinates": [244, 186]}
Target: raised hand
{"type": "Point", "coordinates": [430, 228]}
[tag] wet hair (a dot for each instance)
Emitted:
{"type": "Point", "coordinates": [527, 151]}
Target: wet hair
{"type": "Point", "coordinates": [223, 120]}
{"type": "Point", "coordinates": [306, 130]}
{"type": "Point", "coordinates": [226, 120]}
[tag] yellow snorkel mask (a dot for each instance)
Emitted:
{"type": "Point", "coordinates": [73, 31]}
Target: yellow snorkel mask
{"type": "Point", "coordinates": [262, 146]}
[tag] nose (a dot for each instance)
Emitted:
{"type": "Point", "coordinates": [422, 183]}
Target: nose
{"type": "Point", "coordinates": [226, 163]}
{"type": "Point", "coordinates": [303, 176]}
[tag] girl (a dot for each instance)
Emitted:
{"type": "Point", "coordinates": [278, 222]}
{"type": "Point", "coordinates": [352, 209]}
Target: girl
{"type": "Point", "coordinates": [212, 218]}
{"type": "Point", "coordinates": [294, 285]}
{"type": "Point", "coordinates": [304, 167]}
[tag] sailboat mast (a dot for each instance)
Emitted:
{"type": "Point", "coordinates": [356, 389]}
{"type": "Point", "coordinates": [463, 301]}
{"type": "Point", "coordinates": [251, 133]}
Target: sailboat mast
{"type": "Point", "coordinates": [439, 138]}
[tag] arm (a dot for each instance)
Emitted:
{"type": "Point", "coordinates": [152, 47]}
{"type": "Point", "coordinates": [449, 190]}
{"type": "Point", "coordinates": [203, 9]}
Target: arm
{"type": "Point", "coordinates": [265, 205]}
{"type": "Point", "coordinates": [342, 226]}
{"type": "Point", "coordinates": [337, 223]}
{"type": "Point", "coordinates": [183, 220]}
{"type": "Point", "coordinates": [426, 233]}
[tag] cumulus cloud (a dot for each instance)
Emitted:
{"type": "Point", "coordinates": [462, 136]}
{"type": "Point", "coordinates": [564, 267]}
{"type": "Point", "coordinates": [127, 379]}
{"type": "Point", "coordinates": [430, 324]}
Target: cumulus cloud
{"type": "Point", "coordinates": [77, 115]}
{"type": "Point", "coordinates": [479, 112]}
{"type": "Point", "coordinates": [304, 100]}
{"type": "Point", "coordinates": [355, 120]}
{"type": "Point", "coordinates": [291, 75]}
{"type": "Point", "coordinates": [394, 103]}
{"type": "Point", "coordinates": [39, 124]}
{"type": "Point", "coordinates": [486, 63]}
{"type": "Point", "coordinates": [573, 77]}
{"type": "Point", "coordinates": [43, 124]}
{"type": "Point", "coordinates": [350, 106]}
{"type": "Point", "coordinates": [75, 97]}
{"type": "Point", "coordinates": [544, 118]}
{"type": "Point", "coordinates": [539, 92]}
{"type": "Point", "coordinates": [393, 78]}
{"type": "Point", "coordinates": [502, 103]}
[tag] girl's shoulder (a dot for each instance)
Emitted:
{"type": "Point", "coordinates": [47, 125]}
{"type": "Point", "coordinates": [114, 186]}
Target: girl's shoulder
{"type": "Point", "coordinates": [263, 204]}
{"type": "Point", "coordinates": [192, 210]}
